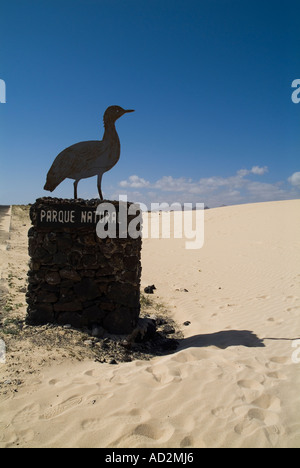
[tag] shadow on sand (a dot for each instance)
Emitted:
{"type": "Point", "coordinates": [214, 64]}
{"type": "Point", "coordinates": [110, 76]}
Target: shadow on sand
{"type": "Point", "coordinates": [223, 339]}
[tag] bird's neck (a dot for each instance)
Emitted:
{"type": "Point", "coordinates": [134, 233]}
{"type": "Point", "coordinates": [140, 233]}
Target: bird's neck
{"type": "Point", "coordinates": [110, 132]}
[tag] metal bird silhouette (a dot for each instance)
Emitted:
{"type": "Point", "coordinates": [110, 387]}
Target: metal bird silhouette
{"type": "Point", "coordinates": [88, 158]}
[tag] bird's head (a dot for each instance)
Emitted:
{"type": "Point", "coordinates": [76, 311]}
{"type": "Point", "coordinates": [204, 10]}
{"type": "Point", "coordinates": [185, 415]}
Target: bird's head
{"type": "Point", "coordinates": [113, 113]}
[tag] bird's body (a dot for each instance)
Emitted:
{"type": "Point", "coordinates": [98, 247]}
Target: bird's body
{"type": "Point", "coordinates": [88, 158]}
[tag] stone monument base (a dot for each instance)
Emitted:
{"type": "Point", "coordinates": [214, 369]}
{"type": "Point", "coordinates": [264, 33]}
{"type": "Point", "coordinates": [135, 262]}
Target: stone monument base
{"type": "Point", "coordinates": [77, 278]}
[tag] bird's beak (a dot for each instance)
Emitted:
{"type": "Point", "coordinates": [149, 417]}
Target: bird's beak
{"type": "Point", "coordinates": [129, 110]}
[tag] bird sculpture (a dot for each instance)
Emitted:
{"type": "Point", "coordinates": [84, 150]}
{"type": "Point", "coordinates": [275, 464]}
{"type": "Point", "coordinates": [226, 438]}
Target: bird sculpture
{"type": "Point", "coordinates": [88, 158]}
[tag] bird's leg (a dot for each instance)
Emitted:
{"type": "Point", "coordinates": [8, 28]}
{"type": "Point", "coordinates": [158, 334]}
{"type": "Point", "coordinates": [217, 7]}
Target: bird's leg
{"type": "Point", "coordinates": [75, 189]}
{"type": "Point", "coordinates": [99, 186]}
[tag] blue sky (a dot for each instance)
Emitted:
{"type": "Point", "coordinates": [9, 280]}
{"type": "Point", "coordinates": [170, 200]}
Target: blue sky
{"type": "Point", "coordinates": [210, 81]}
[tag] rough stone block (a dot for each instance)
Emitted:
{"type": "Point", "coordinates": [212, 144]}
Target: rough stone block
{"type": "Point", "coordinates": [74, 276]}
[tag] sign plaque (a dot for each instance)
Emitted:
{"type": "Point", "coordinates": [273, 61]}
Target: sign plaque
{"type": "Point", "coordinates": [67, 216]}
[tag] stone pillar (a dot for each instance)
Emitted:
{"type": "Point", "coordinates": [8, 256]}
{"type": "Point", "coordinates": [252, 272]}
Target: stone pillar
{"type": "Point", "coordinates": [77, 278]}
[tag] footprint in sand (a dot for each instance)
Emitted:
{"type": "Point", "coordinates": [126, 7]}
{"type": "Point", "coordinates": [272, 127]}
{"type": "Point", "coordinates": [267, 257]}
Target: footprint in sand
{"type": "Point", "coordinates": [274, 362]}
{"type": "Point", "coordinates": [54, 382]}
{"type": "Point", "coordinates": [220, 412]}
{"type": "Point", "coordinates": [159, 431]}
{"type": "Point", "coordinates": [266, 417]}
{"type": "Point", "coordinates": [133, 416]}
{"type": "Point", "coordinates": [27, 415]}
{"type": "Point", "coordinates": [262, 414]}
{"type": "Point", "coordinates": [245, 427]}
{"type": "Point", "coordinates": [250, 384]}
{"type": "Point", "coordinates": [278, 321]}
{"type": "Point", "coordinates": [277, 375]}
{"type": "Point", "coordinates": [187, 442]}
{"type": "Point", "coordinates": [290, 309]}
{"type": "Point", "coordinates": [279, 359]}
{"type": "Point", "coordinates": [255, 419]}
{"type": "Point", "coordinates": [165, 375]}
{"type": "Point", "coordinates": [90, 373]}
{"type": "Point", "coordinates": [273, 433]}
{"type": "Point", "coordinates": [57, 410]}
{"type": "Point", "coordinates": [191, 442]}
{"type": "Point", "coordinates": [267, 401]}
{"type": "Point", "coordinates": [26, 436]}
{"type": "Point", "coordinates": [91, 424]}
{"type": "Point", "coordinates": [94, 398]}
{"type": "Point", "coordinates": [139, 414]}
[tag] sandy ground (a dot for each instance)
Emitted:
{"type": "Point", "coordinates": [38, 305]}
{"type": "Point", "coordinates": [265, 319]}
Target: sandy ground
{"type": "Point", "coordinates": [5, 217]}
{"type": "Point", "coordinates": [233, 380]}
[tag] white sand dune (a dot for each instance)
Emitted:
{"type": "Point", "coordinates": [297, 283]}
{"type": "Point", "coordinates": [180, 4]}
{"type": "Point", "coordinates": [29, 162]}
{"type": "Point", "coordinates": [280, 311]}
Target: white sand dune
{"type": "Point", "coordinates": [234, 380]}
